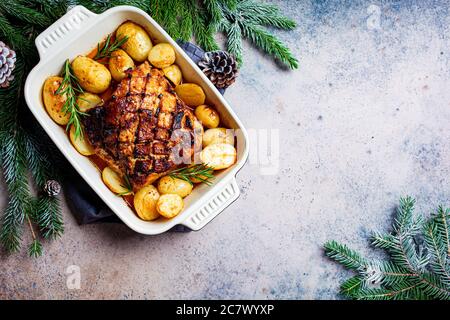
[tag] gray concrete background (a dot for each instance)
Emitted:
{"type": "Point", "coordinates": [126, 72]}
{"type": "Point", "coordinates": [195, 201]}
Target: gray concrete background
{"type": "Point", "coordinates": [364, 121]}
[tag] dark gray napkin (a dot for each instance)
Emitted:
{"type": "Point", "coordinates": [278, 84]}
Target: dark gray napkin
{"type": "Point", "coordinates": [83, 202]}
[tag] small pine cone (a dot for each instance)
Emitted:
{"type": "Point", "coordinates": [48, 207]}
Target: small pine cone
{"type": "Point", "coordinates": [7, 64]}
{"type": "Point", "coordinates": [52, 188]}
{"type": "Point", "coordinates": [220, 67]}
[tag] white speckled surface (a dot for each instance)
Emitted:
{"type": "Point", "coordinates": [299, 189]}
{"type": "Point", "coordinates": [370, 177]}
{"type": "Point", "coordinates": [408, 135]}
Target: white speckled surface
{"type": "Point", "coordinates": [364, 121]}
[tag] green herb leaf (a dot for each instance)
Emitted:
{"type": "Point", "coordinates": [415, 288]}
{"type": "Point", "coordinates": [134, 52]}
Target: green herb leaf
{"type": "Point", "coordinates": [70, 87]}
{"type": "Point", "coordinates": [201, 172]}
{"type": "Point", "coordinates": [105, 50]}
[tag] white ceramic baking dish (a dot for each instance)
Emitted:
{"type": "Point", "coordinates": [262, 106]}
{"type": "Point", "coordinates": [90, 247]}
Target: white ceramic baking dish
{"type": "Point", "coordinates": [78, 32]}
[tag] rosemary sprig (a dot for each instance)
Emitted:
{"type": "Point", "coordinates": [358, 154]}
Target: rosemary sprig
{"type": "Point", "coordinates": [201, 172]}
{"type": "Point", "coordinates": [107, 48]}
{"type": "Point", "coordinates": [127, 185]}
{"type": "Point", "coordinates": [70, 87]}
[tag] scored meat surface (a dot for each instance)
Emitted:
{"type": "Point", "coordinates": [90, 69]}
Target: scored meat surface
{"type": "Point", "coordinates": [143, 128]}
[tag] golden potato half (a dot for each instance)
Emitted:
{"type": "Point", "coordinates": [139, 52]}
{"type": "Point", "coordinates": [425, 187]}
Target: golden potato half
{"type": "Point", "coordinates": [174, 186]}
{"type": "Point", "coordinates": [169, 205]}
{"type": "Point", "coordinates": [114, 182]}
{"type": "Point", "coordinates": [219, 155]}
{"type": "Point", "coordinates": [145, 203]}
{"type": "Point", "coordinates": [81, 143]}
{"type": "Point", "coordinates": [218, 135]}
{"type": "Point", "coordinates": [54, 102]}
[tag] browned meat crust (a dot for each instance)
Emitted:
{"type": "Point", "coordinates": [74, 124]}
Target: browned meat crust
{"type": "Point", "coordinates": [144, 129]}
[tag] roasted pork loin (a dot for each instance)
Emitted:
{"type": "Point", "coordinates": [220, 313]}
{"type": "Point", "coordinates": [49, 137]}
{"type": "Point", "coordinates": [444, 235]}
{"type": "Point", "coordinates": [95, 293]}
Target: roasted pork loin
{"type": "Point", "coordinates": [145, 130]}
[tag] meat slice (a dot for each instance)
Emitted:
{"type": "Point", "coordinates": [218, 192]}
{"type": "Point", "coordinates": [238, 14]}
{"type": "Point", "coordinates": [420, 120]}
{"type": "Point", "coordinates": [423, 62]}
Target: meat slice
{"type": "Point", "coordinates": [145, 130]}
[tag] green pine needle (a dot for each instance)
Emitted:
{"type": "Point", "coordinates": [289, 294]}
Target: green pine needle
{"type": "Point", "coordinates": [24, 13]}
{"type": "Point", "coordinates": [49, 220]}
{"type": "Point", "coordinates": [352, 286]}
{"type": "Point", "coordinates": [269, 43]}
{"type": "Point", "coordinates": [415, 271]}
{"type": "Point", "coordinates": [35, 249]}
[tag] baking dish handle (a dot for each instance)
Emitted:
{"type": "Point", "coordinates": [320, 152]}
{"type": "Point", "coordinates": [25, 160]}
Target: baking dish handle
{"type": "Point", "coordinates": [72, 22]}
{"type": "Point", "coordinates": [222, 199]}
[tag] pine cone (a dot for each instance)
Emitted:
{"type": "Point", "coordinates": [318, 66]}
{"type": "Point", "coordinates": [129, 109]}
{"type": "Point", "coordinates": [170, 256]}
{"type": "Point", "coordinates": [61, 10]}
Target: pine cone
{"type": "Point", "coordinates": [7, 64]}
{"type": "Point", "coordinates": [52, 187]}
{"type": "Point", "coordinates": [220, 67]}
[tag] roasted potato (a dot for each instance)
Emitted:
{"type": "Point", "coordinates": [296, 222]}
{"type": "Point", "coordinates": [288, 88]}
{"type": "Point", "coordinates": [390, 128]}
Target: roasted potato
{"type": "Point", "coordinates": [81, 143]}
{"type": "Point", "coordinates": [218, 135]}
{"type": "Point", "coordinates": [119, 62]}
{"type": "Point", "coordinates": [169, 205]}
{"type": "Point", "coordinates": [192, 94]}
{"type": "Point", "coordinates": [87, 101]}
{"type": "Point", "coordinates": [174, 186]}
{"type": "Point", "coordinates": [145, 203]}
{"type": "Point", "coordinates": [54, 102]}
{"type": "Point", "coordinates": [219, 155]}
{"type": "Point", "coordinates": [114, 182]}
{"type": "Point", "coordinates": [208, 116]}
{"type": "Point", "coordinates": [138, 44]}
{"type": "Point", "coordinates": [161, 55]}
{"type": "Point", "coordinates": [173, 73]}
{"type": "Point", "coordinates": [92, 76]}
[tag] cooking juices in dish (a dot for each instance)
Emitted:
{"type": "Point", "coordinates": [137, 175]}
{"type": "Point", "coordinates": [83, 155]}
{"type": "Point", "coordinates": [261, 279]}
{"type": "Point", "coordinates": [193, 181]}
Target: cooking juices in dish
{"type": "Point", "coordinates": [140, 124]}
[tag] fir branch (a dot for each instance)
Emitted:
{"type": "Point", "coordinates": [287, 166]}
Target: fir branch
{"type": "Point", "coordinates": [14, 171]}
{"type": "Point", "coordinates": [38, 163]}
{"type": "Point", "coordinates": [234, 39]}
{"type": "Point", "coordinates": [17, 41]}
{"type": "Point", "coordinates": [401, 293]}
{"type": "Point", "coordinates": [107, 48]}
{"type": "Point", "coordinates": [215, 11]}
{"type": "Point", "coordinates": [70, 88]}
{"type": "Point", "coordinates": [352, 286]}
{"type": "Point", "coordinates": [155, 11]}
{"type": "Point", "coordinates": [345, 256]}
{"type": "Point", "coordinates": [437, 250]}
{"type": "Point", "coordinates": [53, 9]}
{"type": "Point", "coordinates": [442, 221]}
{"type": "Point", "coordinates": [264, 14]}
{"type": "Point", "coordinates": [432, 286]}
{"type": "Point", "coordinates": [384, 241]}
{"type": "Point", "coordinates": [185, 21]}
{"type": "Point", "coordinates": [24, 13]}
{"type": "Point", "coordinates": [404, 219]}
{"type": "Point", "coordinates": [35, 249]}
{"type": "Point", "coordinates": [11, 230]}
{"type": "Point", "coordinates": [203, 32]}
{"type": "Point", "coordinates": [49, 220]}
{"type": "Point", "coordinates": [414, 272]}
{"type": "Point", "coordinates": [269, 43]}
